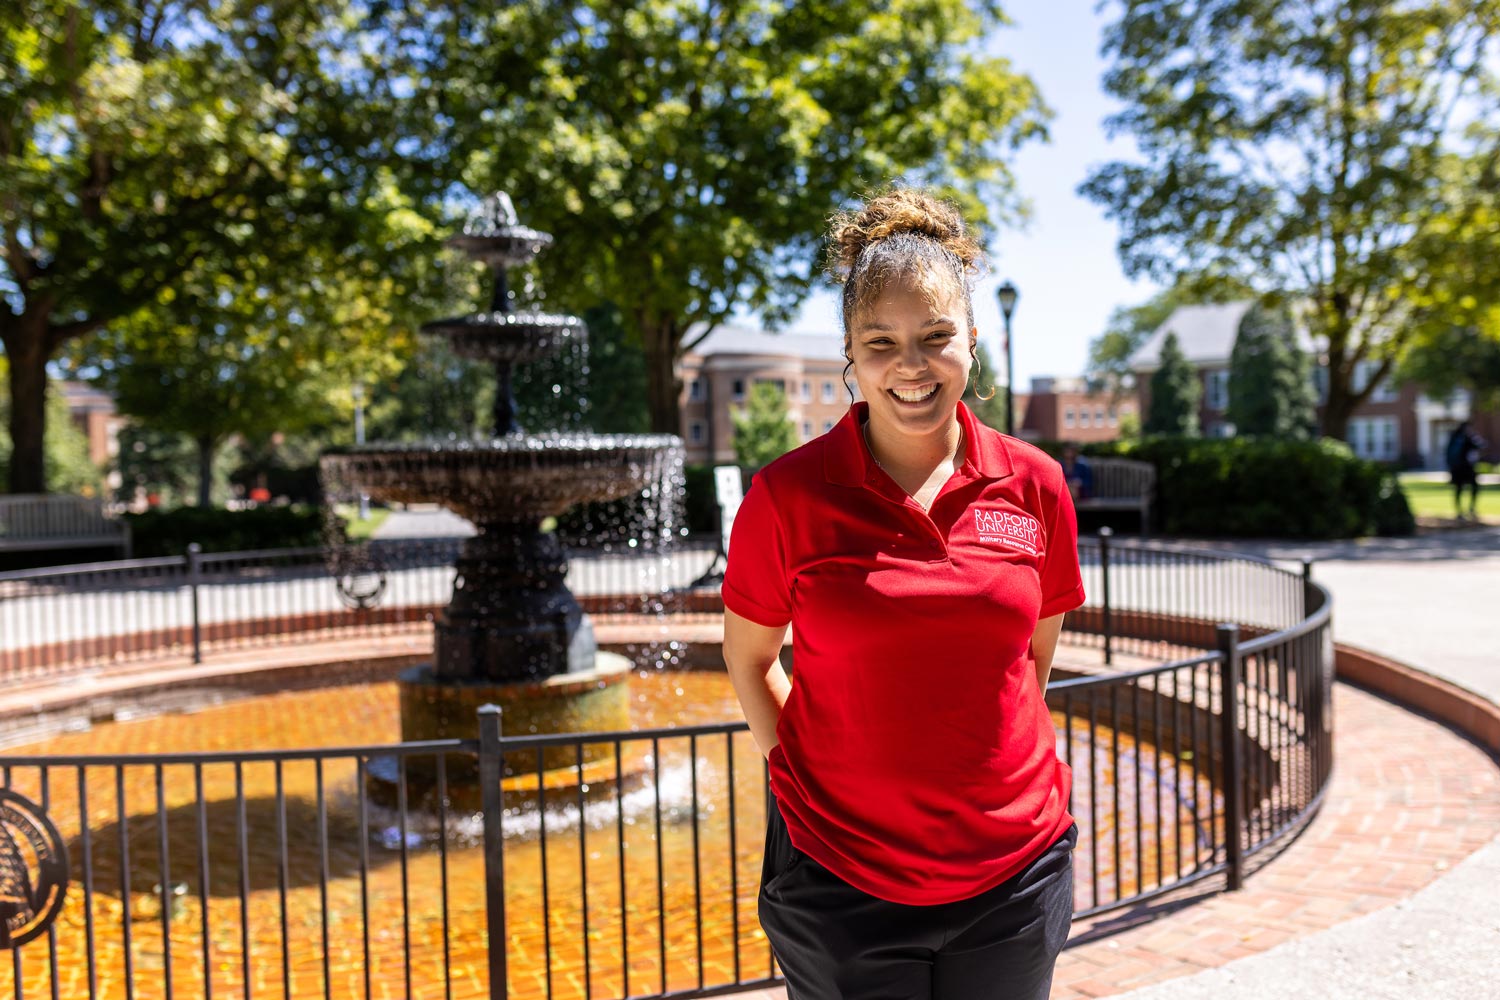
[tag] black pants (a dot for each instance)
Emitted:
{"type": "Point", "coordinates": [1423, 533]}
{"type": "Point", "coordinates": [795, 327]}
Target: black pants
{"type": "Point", "coordinates": [836, 942]}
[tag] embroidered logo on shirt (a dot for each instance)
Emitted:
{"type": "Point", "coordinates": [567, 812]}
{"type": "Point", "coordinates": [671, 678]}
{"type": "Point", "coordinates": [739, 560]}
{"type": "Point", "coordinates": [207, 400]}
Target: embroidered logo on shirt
{"type": "Point", "coordinates": [1003, 527]}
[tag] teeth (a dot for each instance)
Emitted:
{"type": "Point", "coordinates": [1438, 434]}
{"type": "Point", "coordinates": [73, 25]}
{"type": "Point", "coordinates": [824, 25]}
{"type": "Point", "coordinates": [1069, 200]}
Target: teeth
{"type": "Point", "coordinates": [910, 396]}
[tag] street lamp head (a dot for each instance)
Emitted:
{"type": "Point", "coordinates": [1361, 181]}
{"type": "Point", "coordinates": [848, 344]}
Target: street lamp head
{"type": "Point", "coordinates": [1007, 295]}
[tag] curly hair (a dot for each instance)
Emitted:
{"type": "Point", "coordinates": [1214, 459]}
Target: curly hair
{"type": "Point", "coordinates": [902, 234]}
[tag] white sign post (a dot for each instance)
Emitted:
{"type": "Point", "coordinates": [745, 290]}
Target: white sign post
{"type": "Point", "coordinates": [729, 493]}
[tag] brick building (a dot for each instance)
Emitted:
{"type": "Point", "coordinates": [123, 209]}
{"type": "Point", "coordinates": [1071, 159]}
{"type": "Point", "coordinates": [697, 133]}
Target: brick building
{"type": "Point", "coordinates": [718, 373]}
{"type": "Point", "coordinates": [1066, 409]}
{"type": "Point", "coordinates": [1399, 423]}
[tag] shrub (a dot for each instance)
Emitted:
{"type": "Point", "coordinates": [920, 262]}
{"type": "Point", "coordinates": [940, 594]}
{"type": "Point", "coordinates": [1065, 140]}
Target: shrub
{"type": "Point", "coordinates": [1265, 488]}
{"type": "Point", "coordinates": [169, 532]}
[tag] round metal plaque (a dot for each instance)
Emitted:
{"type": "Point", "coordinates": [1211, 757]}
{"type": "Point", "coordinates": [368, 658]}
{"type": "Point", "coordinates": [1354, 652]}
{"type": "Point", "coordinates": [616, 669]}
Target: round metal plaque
{"type": "Point", "coordinates": [33, 870]}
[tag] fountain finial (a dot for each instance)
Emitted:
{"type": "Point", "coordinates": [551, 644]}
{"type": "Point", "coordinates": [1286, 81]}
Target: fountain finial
{"type": "Point", "coordinates": [494, 235]}
{"type": "Point", "coordinates": [496, 214]}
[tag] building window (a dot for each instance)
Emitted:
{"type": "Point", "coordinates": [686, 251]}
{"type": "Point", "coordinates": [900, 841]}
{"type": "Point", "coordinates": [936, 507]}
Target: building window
{"type": "Point", "coordinates": [695, 432]}
{"type": "Point", "coordinates": [1376, 438]}
{"type": "Point", "coordinates": [806, 391]}
{"type": "Point", "coordinates": [806, 427]}
{"type": "Point", "coordinates": [1084, 417]}
{"type": "Point", "coordinates": [1098, 416]}
{"type": "Point", "coordinates": [827, 426]}
{"type": "Point", "coordinates": [827, 392]}
{"type": "Point", "coordinates": [695, 390]}
{"type": "Point", "coordinates": [1114, 417]}
{"type": "Point", "coordinates": [1068, 417]}
{"type": "Point", "coordinates": [779, 383]}
{"type": "Point", "coordinates": [738, 389]}
{"type": "Point", "coordinates": [1216, 389]}
{"type": "Point", "coordinates": [1320, 383]}
{"type": "Point", "coordinates": [1385, 390]}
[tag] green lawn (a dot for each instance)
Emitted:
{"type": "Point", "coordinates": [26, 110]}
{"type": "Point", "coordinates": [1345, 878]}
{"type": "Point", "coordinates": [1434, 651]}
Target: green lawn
{"type": "Point", "coordinates": [356, 529]}
{"type": "Point", "coordinates": [1430, 499]}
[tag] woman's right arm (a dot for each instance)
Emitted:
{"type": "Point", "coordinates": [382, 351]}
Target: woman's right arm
{"type": "Point", "coordinates": [751, 652]}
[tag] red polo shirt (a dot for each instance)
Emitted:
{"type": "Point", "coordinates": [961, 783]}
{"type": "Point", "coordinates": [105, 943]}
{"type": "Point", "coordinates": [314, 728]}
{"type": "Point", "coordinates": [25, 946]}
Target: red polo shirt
{"type": "Point", "coordinates": [917, 759]}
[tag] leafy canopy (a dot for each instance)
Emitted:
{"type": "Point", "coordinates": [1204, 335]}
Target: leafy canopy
{"type": "Point", "coordinates": [687, 155]}
{"type": "Point", "coordinates": [1302, 148]}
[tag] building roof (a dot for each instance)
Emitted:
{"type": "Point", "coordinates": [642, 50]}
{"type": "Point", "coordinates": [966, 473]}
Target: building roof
{"type": "Point", "coordinates": [738, 338]}
{"type": "Point", "coordinates": [1205, 333]}
{"type": "Point", "coordinates": [82, 397]}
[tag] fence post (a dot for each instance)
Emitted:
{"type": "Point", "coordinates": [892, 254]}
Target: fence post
{"type": "Point", "coordinates": [1229, 753]}
{"type": "Point", "coordinates": [492, 802]}
{"type": "Point", "coordinates": [1306, 586]}
{"type": "Point", "coordinates": [1105, 534]}
{"type": "Point", "coordinates": [194, 550]}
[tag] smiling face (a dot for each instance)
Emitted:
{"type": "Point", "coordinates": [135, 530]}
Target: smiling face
{"type": "Point", "coordinates": [911, 359]}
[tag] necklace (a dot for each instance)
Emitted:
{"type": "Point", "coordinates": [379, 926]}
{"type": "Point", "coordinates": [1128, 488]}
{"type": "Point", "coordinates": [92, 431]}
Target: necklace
{"type": "Point", "coordinates": [921, 490]}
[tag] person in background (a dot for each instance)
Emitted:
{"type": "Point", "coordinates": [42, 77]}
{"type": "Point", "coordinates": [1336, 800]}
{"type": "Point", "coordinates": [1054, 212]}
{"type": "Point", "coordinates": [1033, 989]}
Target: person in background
{"type": "Point", "coordinates": [1078, 472]}
{"type": "Point", "coordinates": [918, 843]}
{"type": "Point", "coordinates": [1462, 454]}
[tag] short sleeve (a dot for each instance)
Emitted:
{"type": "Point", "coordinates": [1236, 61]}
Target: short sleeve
{"type": "Point", "coordinates": [1062, 581]}
{"type": "Point", "coordinates": [756, 584]}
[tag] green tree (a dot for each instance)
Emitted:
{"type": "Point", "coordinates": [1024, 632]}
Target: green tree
{"type": "Point", "coordinates": [66, 449]}
{"type": "Point", "coordinates": [1175, 392]}
{"type": "Point", "coordinates": [1459, 358]}
{"type": "Point", "coordinates": [255, 352]}
{"type": "Point", "coordinates": [1306, 148]}
{"type": "Point", "coordinates": [1270, 381]}
{"type": "Point", "coordinates": [763, 430]}
{"type": "Point", "coordinates": [147, 147]}
{"type": "Point", "coordinates": [1455, 342]}
{"type": "Point", "coordinates": [686, 155]}
{"type": "Point", "coordinates": [982, 380]}
{"type": "Point", "coordinates": [160, 463]}
{"type": "Point", "coordinates": [433, 394]}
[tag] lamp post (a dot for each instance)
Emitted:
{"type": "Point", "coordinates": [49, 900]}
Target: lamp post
{"type": "Point", "coordinates": [359, 438]}
{"type": "Point", "coordinates": [1008, 295]}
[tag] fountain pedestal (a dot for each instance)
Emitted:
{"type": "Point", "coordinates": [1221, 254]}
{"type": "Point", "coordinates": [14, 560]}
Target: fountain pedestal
{"type": "Point", "coordinates": [511, 618]}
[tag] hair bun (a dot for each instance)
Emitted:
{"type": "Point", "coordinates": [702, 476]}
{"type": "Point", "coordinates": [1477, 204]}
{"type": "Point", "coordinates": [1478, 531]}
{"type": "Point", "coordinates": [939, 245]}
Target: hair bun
{"type": "Point", "coordinates": [897, 212]}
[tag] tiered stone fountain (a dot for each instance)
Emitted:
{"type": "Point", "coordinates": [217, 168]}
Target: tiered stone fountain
{"type": "Point", "coordinates": [513, 634]}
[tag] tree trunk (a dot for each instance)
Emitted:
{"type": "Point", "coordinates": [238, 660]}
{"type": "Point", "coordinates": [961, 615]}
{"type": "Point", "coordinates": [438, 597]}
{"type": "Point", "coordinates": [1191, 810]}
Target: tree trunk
{"type": "Point", "coordinates": [1339, 406]}
{"type": "Point", "coordinates": [206, 448]}
{"type": "Point", "coordinates": [26, 350]}
{"type": "Point", "coordinates": [663, 387]}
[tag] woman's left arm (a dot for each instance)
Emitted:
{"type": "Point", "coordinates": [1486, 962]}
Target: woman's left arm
{"type": "Point", "coordinates": [1043, 646]}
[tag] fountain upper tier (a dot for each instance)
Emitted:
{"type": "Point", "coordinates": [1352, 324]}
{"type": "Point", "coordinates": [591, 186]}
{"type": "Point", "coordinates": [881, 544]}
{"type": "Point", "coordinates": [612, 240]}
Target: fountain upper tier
{"type": "Point", "coordinates": [513, 479]}
{"type": "Point", "coordinates": [508, 337]}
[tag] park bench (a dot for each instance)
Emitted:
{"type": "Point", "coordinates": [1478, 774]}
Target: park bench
{"type": "Point", "coordinates": [1121, 484]}
{"type": "Point", "coordinates": [43, 522]}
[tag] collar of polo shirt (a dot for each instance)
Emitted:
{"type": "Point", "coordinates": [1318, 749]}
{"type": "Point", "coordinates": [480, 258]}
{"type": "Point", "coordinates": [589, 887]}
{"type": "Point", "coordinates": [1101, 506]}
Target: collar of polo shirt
{"type": "Point", "coordinates": [848, 462]}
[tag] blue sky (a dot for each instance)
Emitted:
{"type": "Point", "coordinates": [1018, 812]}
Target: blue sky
{"type": "Point", "coordinates": [1064, 265]}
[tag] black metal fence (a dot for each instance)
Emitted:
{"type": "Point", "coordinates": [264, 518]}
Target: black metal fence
{"type": "Point", "coordinates": [363, 871]}
{"type": "Point", "coordinates": [58, 620]}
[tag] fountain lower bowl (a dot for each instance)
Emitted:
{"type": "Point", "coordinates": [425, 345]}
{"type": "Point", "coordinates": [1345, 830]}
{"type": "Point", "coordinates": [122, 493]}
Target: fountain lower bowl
{"type": "Point", "coordinates": [592, 701]}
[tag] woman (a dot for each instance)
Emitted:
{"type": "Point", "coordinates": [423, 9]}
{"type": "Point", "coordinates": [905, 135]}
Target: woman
{"type": "Point", "coordinates": [920, 844]}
